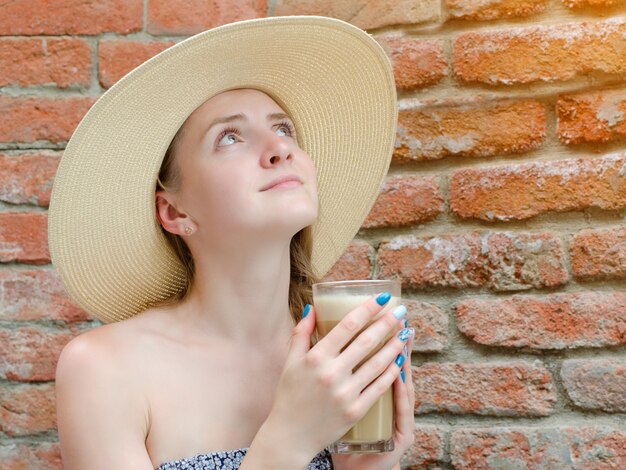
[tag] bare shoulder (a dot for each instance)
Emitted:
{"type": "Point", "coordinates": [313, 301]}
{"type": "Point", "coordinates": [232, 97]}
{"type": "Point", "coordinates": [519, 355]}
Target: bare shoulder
{"type": "Point", "coordinates": [101, 408]}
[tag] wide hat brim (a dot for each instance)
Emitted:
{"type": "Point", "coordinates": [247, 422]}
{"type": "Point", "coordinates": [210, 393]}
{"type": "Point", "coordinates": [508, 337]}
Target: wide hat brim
{"type": "Point", "coordinates": [331, 77]}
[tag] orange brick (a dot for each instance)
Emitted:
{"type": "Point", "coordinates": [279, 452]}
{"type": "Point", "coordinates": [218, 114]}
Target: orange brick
{"type": "Point", "coordinates": [540, 53]}
{"type": "Point", "coordinates": [428, 447]}
{"type": "Point", "coordinates": [118, 57]}
{"type": "Point", "coordinates": [29, 119]}
{"type": "Point", "coordinates": [405, 200]}
{"type": "Point", "coordinates": [364, 14]}
{"type": "Point", "coordinates": [27, 178]}
{"type": "Point", "coordinates": [596, 384]}
{"type": "Point", "coordinates": [516, 192]}
{"type": "Point", "coordinates": [354, 263]}
{"type": "Point", "coordinates": [556, 321]}
{"type": "Point", "coordinates": [595, 117]}
{"type": "Point", "coordinates": [29, 409]}
{"type": "Point", "coordinates": [19, 455]}
{"type": "Point", "coordinates": [186, 17]}
{"type": "Point", "coordinates": [24, 237]}
{"type": "Point", "coordinates": [599, 254]}
{"type": "Point", "coordinates": [32, 17]}
{"type": "Point", "coordinates": [62, 62]}
{"type": "Point", "coordinates": [591, 3]}
{"type": "Point", "coordinates": [436, 131]}
{"type": "Point", "coordinates": [494, 10]}
{"type": "Point", "coordinates": [430, 324]}
{"type": "Point", "coordinates": [416, 63]}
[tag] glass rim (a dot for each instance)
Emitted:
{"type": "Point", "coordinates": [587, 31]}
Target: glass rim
{"type": "Point", "coordinates": [358, 282]}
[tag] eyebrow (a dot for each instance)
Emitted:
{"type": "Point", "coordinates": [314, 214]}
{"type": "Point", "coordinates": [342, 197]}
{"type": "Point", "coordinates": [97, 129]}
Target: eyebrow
{"type": "Point", "coordinates": [242, 117]}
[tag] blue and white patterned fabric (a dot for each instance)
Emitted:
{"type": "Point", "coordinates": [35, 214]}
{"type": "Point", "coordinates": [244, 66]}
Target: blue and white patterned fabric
{"type": "Point", "coordinates": [232, 459]}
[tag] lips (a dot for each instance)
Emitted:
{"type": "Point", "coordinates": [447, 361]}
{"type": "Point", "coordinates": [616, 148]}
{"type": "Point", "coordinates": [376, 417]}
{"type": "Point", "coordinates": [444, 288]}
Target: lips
{"type": "Point", "coordinates": [281, 179]}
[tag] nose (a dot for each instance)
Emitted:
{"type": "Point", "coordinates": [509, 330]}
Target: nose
{"type": "Point", "coordinates": [276, 149]}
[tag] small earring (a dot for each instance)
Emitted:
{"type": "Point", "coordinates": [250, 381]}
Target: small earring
{"type": "Point", "coordinates": [188, 230]}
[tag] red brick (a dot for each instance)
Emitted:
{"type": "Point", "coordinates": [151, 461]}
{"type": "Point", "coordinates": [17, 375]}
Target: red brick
{"type": "Point", "coordinates": [475, 129]}
{"type": "Point", "coordinates": [32, 17]}
{"type": "Point", "coordinates": [586, 447]}
{"type": "Point", "coordinates": [118, 57]}
{"type": "Point", "coordinates": [599, 254]}
{"type": "Point", "coordinates": [591, 3]}
{"type": "Point", "coordinates": [27, 409]}
{"type": "Point", "coordinates": [61, 62]}
{"type": "Point", "coordinates": [596, 384]}
{"type": "Point", "coordinates": [24, 237]}
{"type": "Point", "coordinates": [493, 10]}
{"type": "Point", "coordinates": [405, 200]}
{"type": "Point", "coordinates": [27, 178]}
{"type": "Point", "coordinates": [430, 324]}
{"type": "Point", "coordinates": [501, 261]}
{"type": "Point", "coordinates": [30, 354]}
{"type": "Point", "coordinates": [32, 456]}
{"type": "Point", "coordinates": [556, 321]}
{"type": "Point", "coordinates": [30, 295]}
{"type": "Point", "coordinates": [354, 263]}
{"type": "Point", "coordinates": [428, 448]}
{"type": "Point", "coordinates": [364, 14]}
{"type": "Point", "coordinates": [516, 192]}
{"type": "Point", "coordinates": [596, 117]}
{"type": "Point", "coordinates": [416, 63]}
{"type": "Point", "coordinates": [540, 53]}
{"type": "Point", "coordinates": [29, 119]}
{"type": "Point", "coordinates": [186, 17]}
{"type": "Point", "coordinates": [513, 388]}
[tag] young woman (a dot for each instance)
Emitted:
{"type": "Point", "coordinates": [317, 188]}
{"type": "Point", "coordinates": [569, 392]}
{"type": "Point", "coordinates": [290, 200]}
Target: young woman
{"type": "Point", "coordinates": [210, 364]}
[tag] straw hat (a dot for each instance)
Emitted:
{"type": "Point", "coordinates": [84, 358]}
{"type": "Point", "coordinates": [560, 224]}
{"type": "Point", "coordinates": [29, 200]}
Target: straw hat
{"type": "Point", "coordinates": [332, 78]}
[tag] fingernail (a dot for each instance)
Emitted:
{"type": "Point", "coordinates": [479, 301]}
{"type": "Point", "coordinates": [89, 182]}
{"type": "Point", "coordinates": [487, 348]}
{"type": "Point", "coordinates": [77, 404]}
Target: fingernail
{"type": "Point", "coordinates": [402, 374]}
{"type": "Point", "coordinates": [404, 334]}
{"type": "Point", "coordinates": [412, 330]}
{"type": "Point", "coordinates": [406, 323]}
{"type": "Point", "coordinates": [307, 308]}
{"type": "Point", "coordinates": [399, 360]}
{"type": "Point", "coordinates": [399, 311]}
{"type": "Point", "coordinates": [383, 298]}
{"type": "Point", "coordinates": [406, 352]}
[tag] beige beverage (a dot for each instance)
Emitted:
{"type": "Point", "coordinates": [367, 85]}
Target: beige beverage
{"type": "Point", "coordinates": [378, 423]}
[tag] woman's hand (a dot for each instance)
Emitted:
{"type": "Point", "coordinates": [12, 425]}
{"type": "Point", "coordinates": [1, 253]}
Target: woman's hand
{"type": "Point", "coordinates": [404, 400]}
{"type": "Point", "coordinates": [318, 397]}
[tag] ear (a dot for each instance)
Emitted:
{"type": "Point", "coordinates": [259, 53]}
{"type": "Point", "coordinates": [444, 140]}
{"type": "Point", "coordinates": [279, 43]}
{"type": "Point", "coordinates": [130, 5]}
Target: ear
{"type": "Point", "coordinates": [172, 219]}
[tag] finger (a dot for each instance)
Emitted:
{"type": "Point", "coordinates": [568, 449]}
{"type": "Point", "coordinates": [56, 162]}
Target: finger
{"type": "Point", "coordinates": [409, 372]}
{"type": "Point", "coordinates": [404, 415]}
{"type": "Point", "coordinates": [300, 341]}
{"type": "Point", "coordinates": [354, 322]}
{"type": "Point", "coordinates": [378, 387]}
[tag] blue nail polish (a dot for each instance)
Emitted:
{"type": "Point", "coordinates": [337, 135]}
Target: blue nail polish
{"type": "Point", "coordinates": [402, 375]}
{"type": "Point", "coordinates": [406, 323]}
{"type": "Point", "coordinates": [383, 298]}
{"type": "Point", "coordinates": [406, 352]}
{"type": "Point", "coordinates": [307, 308]}
{"type": "Point", "coordinates": [399, 360]}
{"type": "Point", "coordinates": [399, 311]}
{"type": "Point", "coordinates": [404, 334]}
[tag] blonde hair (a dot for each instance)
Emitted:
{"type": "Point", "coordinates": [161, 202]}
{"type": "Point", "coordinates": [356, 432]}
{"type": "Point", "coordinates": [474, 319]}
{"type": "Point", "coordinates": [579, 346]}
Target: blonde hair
{"type": "Point", "coordinates": [302, 276]}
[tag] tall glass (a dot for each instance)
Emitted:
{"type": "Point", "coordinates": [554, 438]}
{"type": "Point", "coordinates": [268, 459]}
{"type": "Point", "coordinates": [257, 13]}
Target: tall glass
{"type": "Point", "coordinates": [332, 301]}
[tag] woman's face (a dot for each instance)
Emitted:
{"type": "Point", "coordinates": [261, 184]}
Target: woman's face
{"type": "Point", "coordinates": [226, 161]}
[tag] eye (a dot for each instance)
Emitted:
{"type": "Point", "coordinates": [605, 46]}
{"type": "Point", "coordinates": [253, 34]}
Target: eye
{"type": "Point", "coordinates": [287, 125]}
{"type": "Point", "coordinates": [227, 132]}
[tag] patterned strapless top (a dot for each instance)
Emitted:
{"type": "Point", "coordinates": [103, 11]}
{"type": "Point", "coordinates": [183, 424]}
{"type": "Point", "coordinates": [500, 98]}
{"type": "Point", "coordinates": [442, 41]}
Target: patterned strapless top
{"type": "Point", "coordinates": [232, 459]}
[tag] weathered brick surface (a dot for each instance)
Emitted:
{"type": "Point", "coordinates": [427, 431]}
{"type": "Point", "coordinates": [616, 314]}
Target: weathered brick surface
{"type": "Point", "coordinates": [595, 117]}
{"type": "Point", "coordinates": [71, 17]}
{"type": "Point", "coordinates": [599, 254]}
{"type": "Point", "coordinates": [30, 295]}
{"type": "Point", "coordinates": [27, 178]}
{"type": "Point", "coordinates": [587, 447]}
{"type": "Point", "coordinates": [514, 388]}
{"type": "Point", "coordinates": [118, 57]}
{"type": "Point", "coordinates": [366, 14]}
{"type": "Point", "coordinates": [515, 192]}
{"type": "Point", "coordinates": [354, 263]}
{"type": "Point", "coordinates": [493, 10]}
{"type": "Point", "coordinates": [428, 448]}
{"type": "Point", "coordinates": [35, 456]}
{"type": "Point", "coordinates": [591, 3]}
{"type": "Point", "coordinates": [504, 261]}
{"type": "Point", "coordinates": [556, 321]}
{"type": "Point", "coordinates": [430, 324]}
{"type": "Point", "coordinates": [540, 53]}
{"type": "Point", "coordinates": [416, 63]}
{"type": "Point", "coordinates": [405, 200]}
{"type": "Point", "coordinates": [30, 354]}
{"type": "Point", "coordinates": [27, 409]}
{"type": "Point", "coordinates": [188, 17]}
{"type": "Point", "coordinates": [61, 62]}
{"type": "Point", "coordinates": [597, 384]}
{"type": "Point", "coordinates": [24, 237]}
{"type": "Point", "coordinates": [29, 119]}
{"type": "Point", "coordinates": [477, 129]}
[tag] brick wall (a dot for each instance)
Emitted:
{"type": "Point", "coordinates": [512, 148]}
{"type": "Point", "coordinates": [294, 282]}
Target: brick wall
{"type": "Point", "coordinates": [504, 211]}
